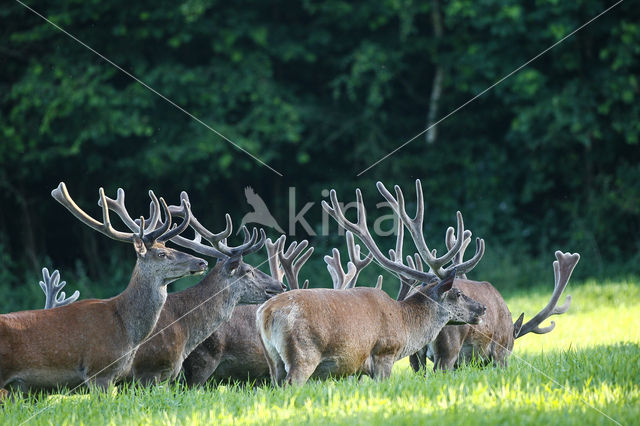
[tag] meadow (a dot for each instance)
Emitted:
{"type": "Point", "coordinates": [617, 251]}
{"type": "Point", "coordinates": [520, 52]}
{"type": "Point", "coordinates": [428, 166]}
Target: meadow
{"type": "Point", "coordinates": [586, 371]}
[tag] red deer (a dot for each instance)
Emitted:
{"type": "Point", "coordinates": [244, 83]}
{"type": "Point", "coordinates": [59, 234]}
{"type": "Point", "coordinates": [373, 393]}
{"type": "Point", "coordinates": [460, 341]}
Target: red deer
{"type": "Point", "coordinates": [94, 341]}
{"type": "Point", "coordinates": [492, 340]}
{"type": "Point", "coordinates": [190, 316]}
{"type": "Point", "coordinates": [233, 352]}
{"type": "Point", "coordinates": [361, 330]}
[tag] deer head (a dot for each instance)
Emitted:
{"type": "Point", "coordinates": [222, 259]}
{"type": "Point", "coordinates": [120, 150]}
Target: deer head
{"type": "Point", "coordinates": [249, 284]}
{"type": "Point", "coordinates": [157, 262]}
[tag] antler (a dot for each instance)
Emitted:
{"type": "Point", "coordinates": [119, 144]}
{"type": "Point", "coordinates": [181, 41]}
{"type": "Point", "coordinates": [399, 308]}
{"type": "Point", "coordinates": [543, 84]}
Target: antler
{"type": "Point", "coordinates": [51, 286]}
{"type": "Point", "coordinates": [292, 260]}
{"type": "Point", "coordinates": [562, 269]}
{"type": "Point", "coordinates": [406, 283]}
{"type": "Point", "coordinates": [273, 252]}
{"type": "Point", "coordinates": [161, 234]}
{"type": "Point", "coordinates": [415, 227]}
{"type": "Point", "coordinates": [361, 230]}
{"type": "Point", "coordinates": [219, 249]}
{"type": "Point", "coordinates": [449, 240]}
{"type": "Point", "coordinates": [342, 279]}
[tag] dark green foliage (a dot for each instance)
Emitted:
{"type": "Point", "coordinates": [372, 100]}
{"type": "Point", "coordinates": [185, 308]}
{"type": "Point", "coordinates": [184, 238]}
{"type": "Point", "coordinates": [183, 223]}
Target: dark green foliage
{"type": "Point", "coordinates": [320, 90]}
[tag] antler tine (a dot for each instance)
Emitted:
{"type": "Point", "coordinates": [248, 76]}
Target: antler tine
{"type": "Point", "coordinates": [354, 256]}
{"type": "Point", "coordinates": [198, 227]}
{"type": "Point", "coordinates": [292, 260]}
{"type": "Point", "coordinates": [273, 250]}
{"type": "Point", "coordinates": [464, 267]}
{"type": "Point", "coordinates": [562, 268]}
{"type": "Point", "coordinates": [164, 226]}
{"type": "Point", "coordinates": [154, 213]}
{"type": "Point", "coordinates": [340, 278]}
{"type": "Point", "coordinates": [61, 195]}
{"type": "Point", "coordinates": [396, 255]}
{"type": "Point", "coordinates": [119, 208]}
{"type": "Point", "coordinates": [177, 230]}
{"type": "Point", "coordinates": [361, 230]}
{"type": "Point", "coordinates": [51, 287]}
{"type": "Point", "coordinates": [415, 226]}
{"type": "Point", "coordinates": [450, 240]}
{"type": "Point", "coordinates": [379, 282]}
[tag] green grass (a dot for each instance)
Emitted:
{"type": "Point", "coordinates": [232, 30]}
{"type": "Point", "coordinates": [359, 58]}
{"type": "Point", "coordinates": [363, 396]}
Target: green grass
{"type": "Point", "coordinates": [590, 362]}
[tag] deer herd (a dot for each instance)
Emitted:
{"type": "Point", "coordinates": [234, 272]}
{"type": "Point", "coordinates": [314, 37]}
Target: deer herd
{"type": "Point", "coordinates": [241, 324]}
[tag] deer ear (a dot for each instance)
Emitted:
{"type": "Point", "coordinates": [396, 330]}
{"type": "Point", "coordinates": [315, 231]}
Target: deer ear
{"type": "Point", "coordinates": [445, 285]}
{"type": "Point", "coordinates": [518, 325]}
{"type": "Point", "coordinates": [138, 244]}
{"type": "Point", "coordinates": [232, 264]}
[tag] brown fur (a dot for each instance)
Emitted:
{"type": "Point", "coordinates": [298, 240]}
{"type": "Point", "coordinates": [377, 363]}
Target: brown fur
{"type": "Point", "coordinates": [322, 333]}
{"type": "Point", "coordinates": [162, 356]}
{"type": "Point", "coordinates": [233, 352]}
{"type": "Point", "coordinates": [93, 340]}
{"type": "Point", "coordinates": [490, 341]}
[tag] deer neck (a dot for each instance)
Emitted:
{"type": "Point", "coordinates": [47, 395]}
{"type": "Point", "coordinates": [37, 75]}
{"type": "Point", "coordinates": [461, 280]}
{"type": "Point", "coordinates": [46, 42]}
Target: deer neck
{"type": "Point", "coordinates": [423, 320]}
{"type": "Point", "coordinates": [139, 305]}
{"type": "Point", "coordinates": [204, 306]}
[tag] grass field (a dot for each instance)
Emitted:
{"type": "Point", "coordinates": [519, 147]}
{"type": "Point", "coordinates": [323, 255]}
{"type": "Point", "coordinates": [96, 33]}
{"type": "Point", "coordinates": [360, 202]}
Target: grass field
{"type": "Point", "coordinates": [587, 371]}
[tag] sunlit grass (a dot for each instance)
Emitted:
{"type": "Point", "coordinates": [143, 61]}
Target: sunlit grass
{"type": "Point", "coordinates": [588, 368]}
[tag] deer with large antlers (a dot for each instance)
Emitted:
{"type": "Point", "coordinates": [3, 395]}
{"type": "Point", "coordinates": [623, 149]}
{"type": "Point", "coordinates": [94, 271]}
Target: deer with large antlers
{"type": "Point", "coordinates": [233, 352]}
{"type": "Point", "coordinates": [492, 340]}
{"type": "Point", "coordinates": [337, 333]}
{"type": "Point", "coordinates": [94, 341]}
{"type": "Point", "coordinates": [190, 316]}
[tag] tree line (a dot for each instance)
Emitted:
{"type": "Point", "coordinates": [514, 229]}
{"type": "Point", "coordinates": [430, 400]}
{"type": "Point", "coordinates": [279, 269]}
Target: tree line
{"type": "Point", "coordinates": [321, 90]}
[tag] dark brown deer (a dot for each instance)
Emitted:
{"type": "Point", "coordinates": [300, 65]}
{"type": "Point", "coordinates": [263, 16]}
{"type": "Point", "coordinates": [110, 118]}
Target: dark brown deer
{"type": "Point", "coordinates": [233, 352]}
{"type": "Point", "coordinates": [190, 316]}
{"type": "Point", "coordinates": [492, 341]}
{"type": "Point", "coordinates": [324, 332]}
{"type": "Point", "coordinates": [94, 341]}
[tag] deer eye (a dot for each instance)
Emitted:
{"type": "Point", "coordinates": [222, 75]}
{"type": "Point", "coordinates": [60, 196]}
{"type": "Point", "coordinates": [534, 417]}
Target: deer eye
{"type": "Point", "coordinates": [162, 254]}
{"type": "Point", "coordinates": [458, 294]}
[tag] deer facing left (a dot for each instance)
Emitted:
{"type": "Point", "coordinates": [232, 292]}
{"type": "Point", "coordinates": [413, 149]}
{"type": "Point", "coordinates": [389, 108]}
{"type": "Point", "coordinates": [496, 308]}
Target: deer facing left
{"type": "Point", "coordinates": [94, 341]}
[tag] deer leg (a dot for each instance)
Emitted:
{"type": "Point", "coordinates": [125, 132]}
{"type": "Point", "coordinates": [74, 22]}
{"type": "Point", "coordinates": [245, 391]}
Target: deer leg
{"type": "Point", "coordinates": [276, 364]}
{"type": "Point", "coordinates": [382, 367]}
{"type": "Point", "coordinates": [198, 367]}
{"type": "Point", "coordinates": [447, 345]}
{"type": "Point", "coordinates": [299, 374]}
{"type": "Point", "coordinates": [301, 366]}
{"type": "Point", "coordinates": [99, 383]}
{"type": "Point", "coordinates": [419, 360]}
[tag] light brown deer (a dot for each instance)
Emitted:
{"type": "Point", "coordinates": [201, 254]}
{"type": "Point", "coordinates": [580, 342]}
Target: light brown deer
{"type": "Point", "coordinates": [492, 340]}
{"type": "Point", "coordinates": [94, 341]}
{"type": "Point", "coordinates": [233, 352]}
{"type": "Point", "coordinates": [191, 315]}
{"type": "Point", "coordinates": [324, 332]}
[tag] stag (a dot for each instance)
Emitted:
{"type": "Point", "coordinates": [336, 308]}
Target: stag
{"type": "Point", "coordinates": [492, 340]}
{"type": "Point", "coordinates": [328, 332]}
{"type": "Point", "coordinates": [93, 341]}
{"type": "Point", "coordinates": [190, 316]}
{"type": "Point", "coordinates": [233, 352]}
